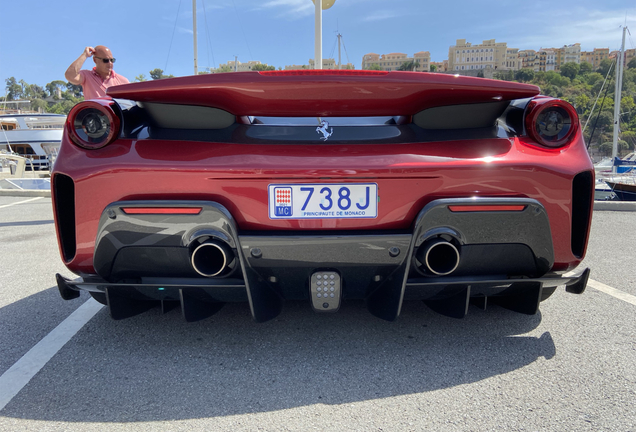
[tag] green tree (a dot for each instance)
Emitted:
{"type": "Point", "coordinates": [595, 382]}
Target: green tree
{"type": "Point", "coordinates": [64, 106]}
{"type": "Point", "coordinates": [627, 104]}
{"type": "Point", "coordinates": [584, 68]}
{"type": "Point", "coordinates": [156, 74]}
{"type": "Point", "coordinates": [605, 119]}
{"type": "Point", "coordinates": [39, 105]}
{"type": "Point", "coordinates": [262, 67]}
{"type": "Point", "coordinates": [593, 78]}
{"type": "Point", "coordinates": [433, 68]}
{"type": "Point", "coordinates": [73, 90]}
{"type": "Point", "coordinates": [632, 63]}
{"type": "Point", "coordinates": [410, 65]}
{"type": "Point", "coordinates": [581, 102]}
{"type": "Point", "coordinates": [629, 137]}
{"type": "Point", "coordinates": [605, 148]}
{"type": "Point", "coordinates": [140, 78]}
{"type": "Point", "coordinates": [570, 70]}
{"type": "Point", "coordinates": [524, 75]}
{"type": "Point", "coordinates": [54, 86]}
{"type": "Point", "coordinates": [605, 66]}
{"type": "Point", "coordinates": [223, 69]}
{"type": "Point", "coordinates": [556, 79]}
{"type": "Point", "coordinates": [374, 66]}
{"type": "Point", "coordinates": [14, 90]}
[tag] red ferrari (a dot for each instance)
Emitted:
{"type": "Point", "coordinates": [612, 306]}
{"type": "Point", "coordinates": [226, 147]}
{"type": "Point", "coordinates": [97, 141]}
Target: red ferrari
{"type": "Point", "coordinates": [322, 186]}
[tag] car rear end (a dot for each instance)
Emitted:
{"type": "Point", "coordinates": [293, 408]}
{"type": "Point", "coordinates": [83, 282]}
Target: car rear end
{"type": "Point", "coordinates": [322, 186]}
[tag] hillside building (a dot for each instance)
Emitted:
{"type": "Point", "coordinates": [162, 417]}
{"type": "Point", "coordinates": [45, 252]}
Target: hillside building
{"type": "Point", "coordinates": [595, 57]}
{"type": "Point", "coordinates": [464, 56]}
{"type": "Point", "coordinates": [393, 61]}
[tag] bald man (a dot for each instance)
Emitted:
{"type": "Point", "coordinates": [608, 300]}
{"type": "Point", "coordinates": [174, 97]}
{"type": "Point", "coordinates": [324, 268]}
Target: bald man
{"type": "Point", "coordinates": [95, 82]}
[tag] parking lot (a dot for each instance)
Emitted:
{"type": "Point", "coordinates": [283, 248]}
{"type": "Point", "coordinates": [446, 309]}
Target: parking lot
{"type": "Point", "coordinates": [570, 367]}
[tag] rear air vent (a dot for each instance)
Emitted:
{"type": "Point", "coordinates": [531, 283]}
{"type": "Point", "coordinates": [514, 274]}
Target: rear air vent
{"type": "Point", "coordinates": [64, 190]}
{"type": "Point", "coordinates": [582, 188]}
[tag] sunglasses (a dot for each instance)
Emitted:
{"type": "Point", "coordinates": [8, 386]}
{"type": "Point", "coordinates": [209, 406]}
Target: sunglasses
{"type": "Point", "coordinates": [105, 60]}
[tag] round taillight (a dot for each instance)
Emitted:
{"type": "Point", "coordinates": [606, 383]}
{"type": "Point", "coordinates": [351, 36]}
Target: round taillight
{"type": "Point", "coordinates": [551, 122]}
{"type": "Point", "coordinates": [93, 124]}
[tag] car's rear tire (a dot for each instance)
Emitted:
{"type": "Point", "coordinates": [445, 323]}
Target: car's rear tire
{"type": "Point", "coordinates": [99, 296]}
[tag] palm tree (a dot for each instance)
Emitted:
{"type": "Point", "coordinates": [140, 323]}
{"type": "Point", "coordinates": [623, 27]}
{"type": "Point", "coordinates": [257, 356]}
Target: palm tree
{"type": "Point", "coordinates": [409, 65]}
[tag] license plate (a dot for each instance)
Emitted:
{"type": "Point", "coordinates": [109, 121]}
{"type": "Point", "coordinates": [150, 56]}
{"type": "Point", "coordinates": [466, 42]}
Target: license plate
{"type": "Point", "coordinates": [323, 201]}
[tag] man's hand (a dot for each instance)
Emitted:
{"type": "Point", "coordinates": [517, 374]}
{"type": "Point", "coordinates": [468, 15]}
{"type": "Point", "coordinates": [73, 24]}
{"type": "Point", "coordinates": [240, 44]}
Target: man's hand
{"type": "Point", "coordinates": [89, 51]}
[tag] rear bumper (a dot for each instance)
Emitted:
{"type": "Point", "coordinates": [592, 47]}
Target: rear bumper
{"type": "Point", "coordinates": [144, 256]}
{"type": "Point", "coordinates": [450, 297]}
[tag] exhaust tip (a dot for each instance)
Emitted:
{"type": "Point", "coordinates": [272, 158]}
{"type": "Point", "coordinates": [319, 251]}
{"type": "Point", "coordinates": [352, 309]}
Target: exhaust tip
{"type": "Point", "coordinates": [439, 256]}
{"type": "Point", "coordinates": [210, 258]}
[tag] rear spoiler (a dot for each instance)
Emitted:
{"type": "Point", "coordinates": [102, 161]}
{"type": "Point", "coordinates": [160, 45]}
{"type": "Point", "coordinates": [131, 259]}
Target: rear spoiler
{"type": "Point", "coordinates": [324, 93]}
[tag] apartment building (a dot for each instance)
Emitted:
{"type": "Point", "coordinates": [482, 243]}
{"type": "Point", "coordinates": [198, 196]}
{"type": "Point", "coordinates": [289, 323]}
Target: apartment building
{"type": "Point", "coordinates": [595, 57]}
{"type": "Point", "coordinates": [567, 54]}
{"type": "Point", "coordinates": [393, 61]}
{"type": "Point", "coordinates": [628, 55]}
{"type": "Point", "coordinates": [513, 61]}
{"type": "Point", "coordinates": [237, 66]}
{"type": "Point", "coordinates": [464, 56]}
{"type": "Point", "coordinates": [529, 60]}
{"type": "Point", "coordinates": [547, 59]}
{"type": "Point", "coordinates": [326, 64]}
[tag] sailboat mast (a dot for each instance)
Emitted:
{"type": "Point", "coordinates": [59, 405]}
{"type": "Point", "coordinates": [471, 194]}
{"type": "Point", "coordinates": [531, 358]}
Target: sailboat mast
{"type": "Point", "coordinates": [617, 100]}
{"type": "Point", "coordinates": [194, 30]}
{"type": "Point", "coordinates": [318, 35]}
{"type": "Point", "coordinates": [339, 59]}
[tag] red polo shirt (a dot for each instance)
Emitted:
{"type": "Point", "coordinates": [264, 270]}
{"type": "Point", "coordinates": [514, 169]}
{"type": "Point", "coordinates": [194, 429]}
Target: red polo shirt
{"type": "Point", "coordinates": [94, 86]}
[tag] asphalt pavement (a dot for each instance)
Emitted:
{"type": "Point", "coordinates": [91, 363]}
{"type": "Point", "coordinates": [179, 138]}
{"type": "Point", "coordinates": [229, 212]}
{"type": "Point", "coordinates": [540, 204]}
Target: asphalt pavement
{"type": "Point", "coordinates": [568, 368]}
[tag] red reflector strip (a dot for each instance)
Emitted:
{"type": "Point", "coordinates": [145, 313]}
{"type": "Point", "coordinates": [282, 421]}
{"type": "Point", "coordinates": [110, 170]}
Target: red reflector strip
{"type": "Point", "coordinates": [348, 72]}
{"type": "Point", "coordinates": [486, 208]}
{"type": "Point", "coordinates": [162, 210]}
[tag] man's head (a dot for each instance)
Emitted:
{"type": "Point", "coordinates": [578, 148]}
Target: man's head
{"type": "Point", "coordinates": [104, 60]}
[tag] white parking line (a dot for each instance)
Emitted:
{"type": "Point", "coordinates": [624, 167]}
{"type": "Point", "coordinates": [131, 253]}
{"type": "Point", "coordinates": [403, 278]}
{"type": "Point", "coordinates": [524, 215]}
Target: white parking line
{"type": "Point", "coordinates": [21, 202]}
{"type": "Point", "coordinates": [19, 375]}
{"type": "Point", "coordinates": [612, 291]}
{"type": "Point", "coordinates": [608, 289]}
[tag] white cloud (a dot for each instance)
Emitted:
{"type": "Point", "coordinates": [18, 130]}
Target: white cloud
{"type": "Point", "coordinates": [591, 28]}
{"type": "Point", "coordinates": [290, 8]}
{"type": "Point", "coordinates": [381, 15]}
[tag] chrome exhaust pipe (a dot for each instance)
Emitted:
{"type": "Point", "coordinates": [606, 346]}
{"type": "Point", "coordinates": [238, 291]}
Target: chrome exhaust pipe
{"type": "Point", "coordinates": [211, 258]}
{"type": "Point", "coordinates": [439, 257]}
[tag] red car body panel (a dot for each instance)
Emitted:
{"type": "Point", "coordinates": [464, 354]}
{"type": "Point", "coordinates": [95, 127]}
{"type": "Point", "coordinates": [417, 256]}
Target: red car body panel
{"type": "Point", "coordinates": [237, 176]}
{"type": "Point", "coordinates": [410, 175]}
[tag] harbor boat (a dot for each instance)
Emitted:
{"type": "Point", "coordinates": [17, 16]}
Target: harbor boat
{"type": "Point", "coordinates": [624, 187]}
{"type": "Point", "coordinates": [621, 182]}
{"type": "Point", "coordinates": [605, 166]}
{"type": "Point", "coordinates": [34, 136]}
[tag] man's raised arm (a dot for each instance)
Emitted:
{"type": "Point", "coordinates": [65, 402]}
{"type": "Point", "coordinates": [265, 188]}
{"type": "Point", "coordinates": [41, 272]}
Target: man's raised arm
{"type": "Point", "coordinates": [73, 72]}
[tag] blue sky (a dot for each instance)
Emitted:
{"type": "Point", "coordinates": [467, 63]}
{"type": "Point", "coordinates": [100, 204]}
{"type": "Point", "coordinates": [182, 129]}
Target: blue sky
{"type": "Point", "coordinates": [40, 38]}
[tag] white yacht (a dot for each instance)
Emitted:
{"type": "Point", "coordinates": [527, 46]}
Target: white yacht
{"type": "Point", "coordinates": [35, 137]}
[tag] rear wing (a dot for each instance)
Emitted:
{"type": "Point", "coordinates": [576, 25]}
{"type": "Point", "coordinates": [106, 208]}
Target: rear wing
{"type": "Point", "coordinates": [324, 93]}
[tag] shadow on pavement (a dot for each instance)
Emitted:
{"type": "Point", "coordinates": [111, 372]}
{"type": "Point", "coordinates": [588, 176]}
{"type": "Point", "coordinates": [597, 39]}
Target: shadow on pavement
{"type": "Point", "coordinates": [153, 367]}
